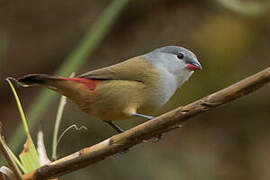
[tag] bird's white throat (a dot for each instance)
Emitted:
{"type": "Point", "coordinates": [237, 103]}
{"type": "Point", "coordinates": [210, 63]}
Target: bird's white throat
{"type": "Point", "coordinates": [169, 83]}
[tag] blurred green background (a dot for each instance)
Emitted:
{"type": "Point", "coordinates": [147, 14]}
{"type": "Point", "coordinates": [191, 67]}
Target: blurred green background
{"type": "Point", "coordinates": [230, 38]}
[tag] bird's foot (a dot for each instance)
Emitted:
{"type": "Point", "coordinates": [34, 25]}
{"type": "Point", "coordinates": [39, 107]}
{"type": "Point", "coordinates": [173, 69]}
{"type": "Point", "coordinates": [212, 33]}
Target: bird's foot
{"type": "Point", "coordinates": [155, 139]}
{"type": "Point", "coordinates": [125, 151]}
{"type": "Point", "coordinates": [158, 137]}
{"type": "Point", "coordinates": [144, 116]}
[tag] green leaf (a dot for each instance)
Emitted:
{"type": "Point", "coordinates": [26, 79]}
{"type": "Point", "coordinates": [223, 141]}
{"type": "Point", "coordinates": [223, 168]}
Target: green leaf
{"type": "Point", "coordinates": [29, 156]}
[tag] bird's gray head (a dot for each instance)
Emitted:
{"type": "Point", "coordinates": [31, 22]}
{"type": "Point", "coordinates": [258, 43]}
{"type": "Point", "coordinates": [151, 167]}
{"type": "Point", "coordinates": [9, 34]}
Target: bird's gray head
{"type": "Point", "coordinates": [178, 61]}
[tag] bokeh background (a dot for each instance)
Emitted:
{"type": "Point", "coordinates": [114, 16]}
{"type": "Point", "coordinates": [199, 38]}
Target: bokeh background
{"type": "Point", "coordinates": [231, 40]}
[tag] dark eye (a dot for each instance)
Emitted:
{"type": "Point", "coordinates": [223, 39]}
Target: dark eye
{"type": "Point", "coordinates": [180, 56]}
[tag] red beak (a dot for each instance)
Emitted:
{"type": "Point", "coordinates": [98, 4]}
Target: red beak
{"type": "Point", "coordinates": [194, 67]}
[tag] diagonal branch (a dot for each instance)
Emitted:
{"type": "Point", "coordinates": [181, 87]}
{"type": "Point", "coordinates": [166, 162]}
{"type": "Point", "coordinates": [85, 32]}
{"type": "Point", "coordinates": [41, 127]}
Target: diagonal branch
{"type": "Point", "coordinates": [136, 135]}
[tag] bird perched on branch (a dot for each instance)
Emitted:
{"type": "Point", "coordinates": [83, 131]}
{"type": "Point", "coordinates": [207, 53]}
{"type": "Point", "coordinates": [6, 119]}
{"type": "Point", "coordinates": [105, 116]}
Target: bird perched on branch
{"type": "Point", "coordinates": [135, 87]}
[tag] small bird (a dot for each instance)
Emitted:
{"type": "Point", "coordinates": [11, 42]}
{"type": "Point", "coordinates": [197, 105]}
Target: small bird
{"type": "Point", "coordinates": [135, 87]}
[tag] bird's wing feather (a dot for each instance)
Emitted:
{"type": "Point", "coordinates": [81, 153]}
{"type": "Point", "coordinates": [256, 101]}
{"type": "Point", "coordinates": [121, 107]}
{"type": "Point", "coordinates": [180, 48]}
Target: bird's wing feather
{"type": "Point", "coordinates": [128, 70]}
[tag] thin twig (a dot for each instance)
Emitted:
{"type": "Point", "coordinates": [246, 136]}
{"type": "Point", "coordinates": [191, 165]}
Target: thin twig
{"type": "Point", "coordinates": [7, 173]}
{"type": "Point", "coordinates": [149, 129]}
{"type": "Point", "coordinates": [69, 128]}
{"type": "Point", "coordinates": [7, 155]}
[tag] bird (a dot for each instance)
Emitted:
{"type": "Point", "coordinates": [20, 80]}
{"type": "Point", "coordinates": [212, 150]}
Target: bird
{"type": "Point", "coordinates": [135, 87]}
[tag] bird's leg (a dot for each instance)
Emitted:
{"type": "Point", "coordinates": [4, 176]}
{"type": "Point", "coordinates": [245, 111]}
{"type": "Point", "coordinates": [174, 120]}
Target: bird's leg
{"type": "Point", "coordinates": [119, 130]}
{"type": "Point", "coordinates": [115, 127]}
{"type": "Point", "coordinates": [144, 116]}
{"type": "Point", "coordinates": [159, 137]}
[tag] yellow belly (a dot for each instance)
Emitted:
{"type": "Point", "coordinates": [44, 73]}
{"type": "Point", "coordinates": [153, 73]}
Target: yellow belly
{"type": "Point", "coordinates": [118, 99]}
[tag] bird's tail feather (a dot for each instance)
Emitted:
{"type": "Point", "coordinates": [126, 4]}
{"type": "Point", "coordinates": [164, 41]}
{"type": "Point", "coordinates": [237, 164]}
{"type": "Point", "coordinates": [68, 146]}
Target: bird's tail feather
{"type": "Point", "coordinates": [37, 79]}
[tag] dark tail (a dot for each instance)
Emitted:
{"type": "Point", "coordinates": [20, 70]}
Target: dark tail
{"type": "Point", "coordinates": [36, 79]}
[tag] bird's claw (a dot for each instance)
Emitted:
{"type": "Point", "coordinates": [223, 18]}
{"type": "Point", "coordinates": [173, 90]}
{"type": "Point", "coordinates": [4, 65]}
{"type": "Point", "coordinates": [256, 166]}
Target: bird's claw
{"type": "Point", "coordinates": [155, 139]}
{"type": "Point", "coordinates": [158, 138]}
{"type": "Point", "coordinates": [124, 151]}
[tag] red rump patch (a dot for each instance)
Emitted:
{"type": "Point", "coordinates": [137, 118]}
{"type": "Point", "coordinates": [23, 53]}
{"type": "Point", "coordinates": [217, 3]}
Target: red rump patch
{"type": "Point", "coordinates": [89, 83]}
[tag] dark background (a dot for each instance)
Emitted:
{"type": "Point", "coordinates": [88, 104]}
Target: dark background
{"type": "Point", "coordinates": [231, 40]}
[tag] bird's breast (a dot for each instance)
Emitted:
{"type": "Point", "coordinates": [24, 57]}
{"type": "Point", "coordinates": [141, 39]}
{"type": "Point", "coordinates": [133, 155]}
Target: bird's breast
{"type": "Point", "coordinates": [166, 88]}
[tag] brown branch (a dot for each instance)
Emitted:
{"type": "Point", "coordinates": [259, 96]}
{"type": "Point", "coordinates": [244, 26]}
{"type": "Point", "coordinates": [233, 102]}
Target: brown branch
{"type": "Point", "coordinates": [149, 129]}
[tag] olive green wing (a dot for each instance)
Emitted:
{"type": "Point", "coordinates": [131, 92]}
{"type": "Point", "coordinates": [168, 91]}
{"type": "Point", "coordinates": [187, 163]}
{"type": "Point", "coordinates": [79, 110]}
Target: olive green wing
{"type": "Point", "coordinates": [134, 69]}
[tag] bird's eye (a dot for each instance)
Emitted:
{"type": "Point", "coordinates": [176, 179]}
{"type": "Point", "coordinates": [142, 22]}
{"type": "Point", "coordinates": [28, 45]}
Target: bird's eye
{"type": "Point", "coordinates": [180, 56]}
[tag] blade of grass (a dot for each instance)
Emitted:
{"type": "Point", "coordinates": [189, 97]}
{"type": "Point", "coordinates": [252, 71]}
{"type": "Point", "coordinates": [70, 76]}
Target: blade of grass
{"type": "Point", "coordinates": [26, 129]}
{"type": "Point", "coordinates": [17, 161]}
{"type": "Point", "coordinates": [29, 155]}
{"type": "Point", "coordinates": [88, 44]}
{"type": "Point", "coordinates": [42, 152]}
{"type": "Point", "coordinates": [60, 111]}
{"type": "Point", "coordinates": [59, 115]}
